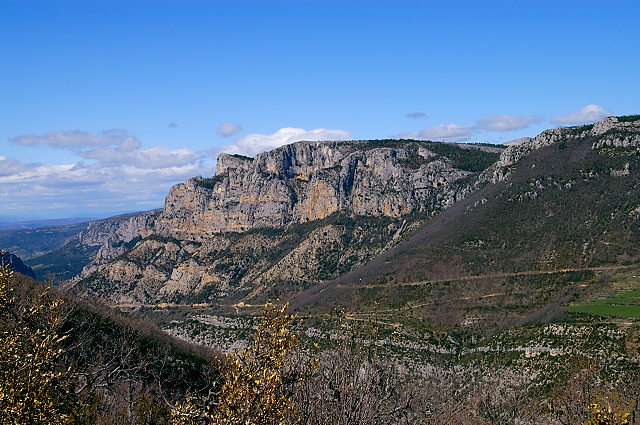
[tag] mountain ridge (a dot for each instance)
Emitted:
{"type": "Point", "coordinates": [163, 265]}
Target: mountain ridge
{"type": "Point", "coordinates": [246, 234]}
{"type": "Point", "coordinates": [564, 205]}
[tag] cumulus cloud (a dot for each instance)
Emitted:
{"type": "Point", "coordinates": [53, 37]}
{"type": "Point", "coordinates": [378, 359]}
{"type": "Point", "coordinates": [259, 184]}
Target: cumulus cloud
{"type": "Point", "coordinates": [67, 189]}
{"type": "Point", "coordinates": [10, 166]}
{"type": "Point", "coordinates": [458, 133]}
{"type": "Point", "coordinates": [228, 129]}
{"type": "Point", "coordinates": [74, 139]}
{"type": "Point", "coordinates": [507, 122]}
{"type": "Point", "coordinates": [113, 148]}
{"type": "Point", "coordinates": [108, 172]}
{"type": "Point", "coordinates": [416, 115]}
{"type": "Point", "coordinates": [149, 158]}
{"type": "Point", "coordinates": [587, 114]}
{"type": "Point", "coordinates": [252, 144]}
{"type": "Point", "coordinates": [443, 132]}
{"type": "Point", "coordinates": [43, 176]}
{"type": "Point", "coordinates": [96, 188]}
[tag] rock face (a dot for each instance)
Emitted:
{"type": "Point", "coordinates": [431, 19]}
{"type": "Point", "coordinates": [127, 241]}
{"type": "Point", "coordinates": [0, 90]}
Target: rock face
{"type": "Point", "coordinates": [309, 181]}
{"type": "Point", "coordinates": [116, 237]}
{"type": "Point", "coordinates": [615, 132]}
{"type": "Point", "coordinates": [289, 218]}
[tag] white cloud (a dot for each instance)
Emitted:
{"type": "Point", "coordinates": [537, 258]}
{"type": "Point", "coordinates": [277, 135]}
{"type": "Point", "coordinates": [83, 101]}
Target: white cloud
{"type": "Point", "coordinates": [457, 133]}
{"type": "Point", "coordinates": [74, 139]}
{"type": "Point", "coordinates": [443, 132]}
{"type": "Point", "coordinates": [149, 158]}
{"type": "Point", "coordinates": [41, 175]}
{"type": "Point", "coordinates": [67, 189]}
{"type": "Point", "coordinates": [228, 129]}
{"type": "Point", "coordinates": [113, 148]}
{"type": "Point", "coordinates": [252, 144]}
{"type": "Point", "coordinates": [588, 114]}
{"type": "Point", "coordinates": [117, 175]}
{"type": "Point", "coordinates": [10, 166]}
{"type": "Point", "coordinates": [507, 122]}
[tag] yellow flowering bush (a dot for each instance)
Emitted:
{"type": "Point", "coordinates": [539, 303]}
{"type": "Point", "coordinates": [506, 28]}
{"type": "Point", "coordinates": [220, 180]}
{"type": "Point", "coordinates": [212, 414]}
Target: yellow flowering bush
{"type": "Point", "coordinates": [606, 416]}
{"type": "Point", "coordinates": [29, 347]}
{"type": "Point", "coordinates": [257, 381]}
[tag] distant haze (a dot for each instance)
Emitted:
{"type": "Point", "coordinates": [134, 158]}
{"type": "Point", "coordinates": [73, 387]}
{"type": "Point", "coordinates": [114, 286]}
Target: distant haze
{"type": "Point", "coordinates": [9, 224]}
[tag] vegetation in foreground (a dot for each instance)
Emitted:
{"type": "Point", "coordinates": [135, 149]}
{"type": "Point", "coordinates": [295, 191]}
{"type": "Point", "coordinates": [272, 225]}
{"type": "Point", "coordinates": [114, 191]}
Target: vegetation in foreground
{"type": "Point", "coordinates": [62, 364]}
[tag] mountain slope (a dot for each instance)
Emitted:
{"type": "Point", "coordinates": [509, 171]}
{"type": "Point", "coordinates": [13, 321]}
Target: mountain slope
{"type": "Point", "coordinates": [15, 263]}
{"type": "Point", "coordinates": [561, 208]}
{"type": "Point", "coordinates": [66, 250]}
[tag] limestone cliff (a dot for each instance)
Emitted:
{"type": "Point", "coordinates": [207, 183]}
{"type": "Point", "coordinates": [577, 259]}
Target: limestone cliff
{"type": "Point", "coordinates": [309, 181]}
{"type": "Point", "coordinates": [297, 215]}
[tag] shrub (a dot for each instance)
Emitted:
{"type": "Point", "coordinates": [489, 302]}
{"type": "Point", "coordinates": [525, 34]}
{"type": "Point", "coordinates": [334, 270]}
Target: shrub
{"type": "Point", "coordinates": [606, 416]}
{"type": "Point", "coordinates": [257, 382]}
{"type": "Point", "coordinates": [31, 387]}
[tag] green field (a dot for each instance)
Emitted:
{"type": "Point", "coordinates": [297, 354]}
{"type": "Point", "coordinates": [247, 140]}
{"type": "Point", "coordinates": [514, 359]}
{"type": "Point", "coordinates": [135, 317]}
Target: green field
{"type": "Point", "coordinates": [624, 304]}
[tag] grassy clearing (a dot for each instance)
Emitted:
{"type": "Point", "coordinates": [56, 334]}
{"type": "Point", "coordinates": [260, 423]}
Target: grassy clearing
{"type": "Point", "coordinates": [602, 309]}
{"type": "Point", "coordinates": [626, 302]}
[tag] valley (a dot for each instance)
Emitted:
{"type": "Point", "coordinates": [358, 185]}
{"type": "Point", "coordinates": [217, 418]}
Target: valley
{"type": "Point", "coordinates": [508, 272]}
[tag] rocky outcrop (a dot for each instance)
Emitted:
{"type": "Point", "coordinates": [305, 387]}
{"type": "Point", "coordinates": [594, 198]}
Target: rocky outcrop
{"type": "Point", "coordinates": [119, 237]}
{"type": "Point", "coordinates": [516, 149]}
{"type": "Point", "coordinates": [122, 228]}
{"type": "Point", "coordinates": [618, 133]}
{"type": "Point", "coordinates": [309, 181]}
{"type": "Point", "coordinates": [609, 132]}
{"type": "Point", "coordinates": [112, 237]}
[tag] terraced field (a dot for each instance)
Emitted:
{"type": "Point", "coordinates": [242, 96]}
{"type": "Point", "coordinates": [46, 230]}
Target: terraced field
{"type": "Point", "coordinates": [624, 303]}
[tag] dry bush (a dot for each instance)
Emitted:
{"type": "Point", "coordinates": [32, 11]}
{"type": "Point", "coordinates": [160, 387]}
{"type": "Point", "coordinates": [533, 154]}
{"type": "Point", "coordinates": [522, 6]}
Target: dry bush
{"type": "Point", "coordinates": [354, 385]}
{"type": "Point", "coordinates": [32, 386]}
{"type": "Point", "coordinates": [601, 415]}
{"type": "Point", "coordinates": [258, 382]}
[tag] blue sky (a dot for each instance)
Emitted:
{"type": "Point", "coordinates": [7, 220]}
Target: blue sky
{"type": "Point", "coordinates": [105, 104]}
